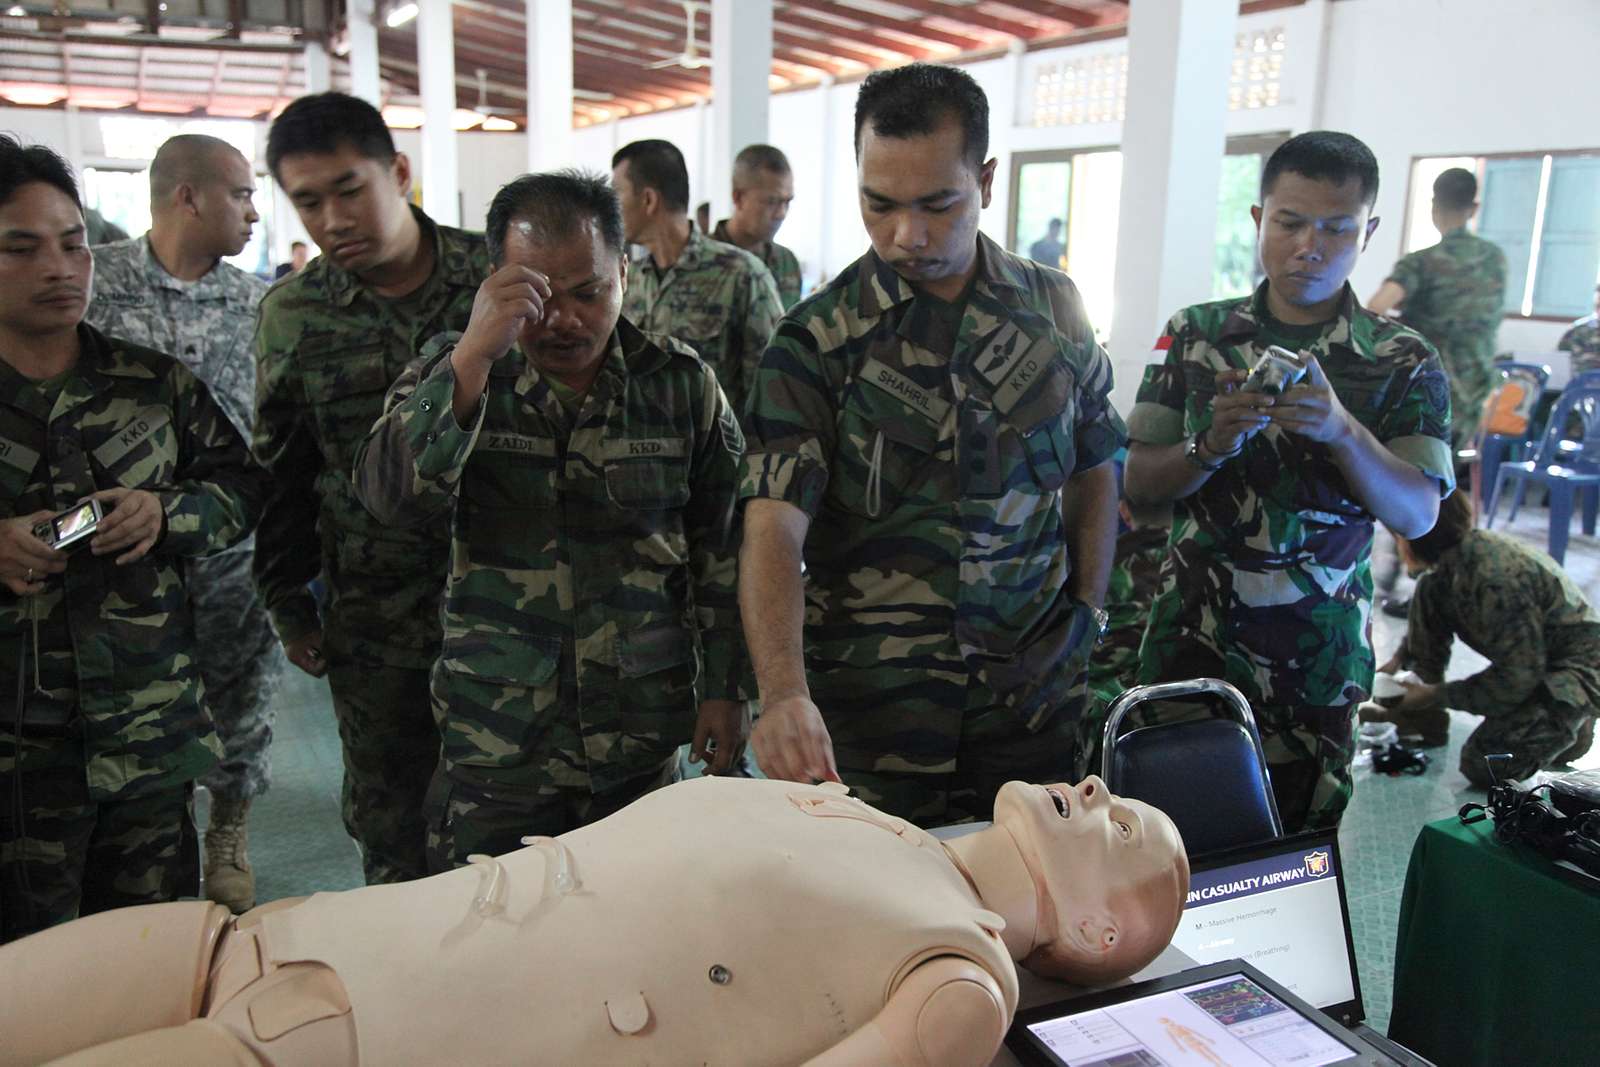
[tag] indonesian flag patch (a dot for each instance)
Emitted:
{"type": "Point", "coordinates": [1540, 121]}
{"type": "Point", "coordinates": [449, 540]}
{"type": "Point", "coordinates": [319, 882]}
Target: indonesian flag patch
{"type": "Point", "coordinates": [1158, 354]}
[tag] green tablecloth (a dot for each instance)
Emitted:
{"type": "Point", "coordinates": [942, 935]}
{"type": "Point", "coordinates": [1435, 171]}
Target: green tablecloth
{"type": "Point", "coordinates": [1497, 959]}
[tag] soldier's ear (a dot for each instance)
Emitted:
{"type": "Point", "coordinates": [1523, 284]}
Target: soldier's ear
{"type": "Point", "coordinates": [184, 193]}
{"type": "Point", "coordinates": [400, 170]}
{"type": "Point", "coordinates": [1372, 228]}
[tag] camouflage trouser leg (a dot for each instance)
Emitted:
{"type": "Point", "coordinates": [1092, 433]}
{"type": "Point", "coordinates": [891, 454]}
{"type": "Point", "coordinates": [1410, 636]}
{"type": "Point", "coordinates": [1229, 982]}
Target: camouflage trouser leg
{"type": "Point", "coordinates": [469, 813]}
{"type": "Point", "coordinates": [391, 746]}
{"type": "Point", "coordinates": [994, 748]}
{"type": "Point", "coordinates": [241, 663]}
{"type": "Point", "coordinates": [1535, 735]}
{"type": "Point", "coordinates": [69, 856]}
{"type": "Point", "coordinates": [1309, 751]}
{"type": "Point", "coordinates": [1469, 388]}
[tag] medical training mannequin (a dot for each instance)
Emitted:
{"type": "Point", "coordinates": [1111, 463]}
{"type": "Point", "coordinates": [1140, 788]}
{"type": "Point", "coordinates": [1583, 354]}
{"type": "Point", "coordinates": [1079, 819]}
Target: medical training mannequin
{"type": "Point", "coordinates": [728, 921]}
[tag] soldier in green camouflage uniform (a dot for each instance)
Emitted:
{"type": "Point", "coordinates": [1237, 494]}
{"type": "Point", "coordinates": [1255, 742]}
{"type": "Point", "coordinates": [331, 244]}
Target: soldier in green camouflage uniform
{"type": "Point", "coordinates": [1453, 293]}
{"type": "Point", "coordinates": [201, 211]}
{"type": "Point", "coordinates": [718, 299]}
{"type": "Point", "coordinates": [591, 600]}
{"type": "Point", "coordinates": [935, 446]}
{"type": "Point", "coordinates": [1519, 610]}
{"type": "Point", "coordinates": [1268, 584]}
{"type": "Point", "coordinates": [1582, 340]}
{"type": "Point", "coordinates": [763, 188]}
{"type": "Point", "coordinates": [1135, 577]}
{"type": "Point", "coordinates": [332, 339]}
{"type": "Point", "coordinates": [113, 726]}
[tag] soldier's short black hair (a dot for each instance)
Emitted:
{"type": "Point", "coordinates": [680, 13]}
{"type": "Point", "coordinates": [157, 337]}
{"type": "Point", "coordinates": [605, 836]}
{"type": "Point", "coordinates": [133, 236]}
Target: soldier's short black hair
{"type": "Point", "coordinates": [555, 205]}
{"type": "Point", "coordinates": [915, 100]}
{"type": "Point", "coordinates": [1454, 522]}
{"type": "Point", "coordinates": [758, 157]}
{"type": "Point", "coordinates": [658, 165]}
{"type": "Point", "coordinates": [1324, 155]}
{"type": "Point", "coordinates": [1455, 189]}
{"type": "Point", "coordinates": [22, 164]}
{"type": "Point", "coordinates": [325, 122]}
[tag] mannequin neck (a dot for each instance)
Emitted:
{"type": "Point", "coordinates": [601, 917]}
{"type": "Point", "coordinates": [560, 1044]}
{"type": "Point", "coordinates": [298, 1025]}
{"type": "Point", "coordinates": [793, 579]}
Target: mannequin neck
{"type": "Point", "coordinates": [993, 863]}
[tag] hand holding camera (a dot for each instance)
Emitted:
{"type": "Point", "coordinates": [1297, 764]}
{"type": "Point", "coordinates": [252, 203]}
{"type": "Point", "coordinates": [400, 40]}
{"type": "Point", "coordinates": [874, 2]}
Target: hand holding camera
{"type": "Point", "coordinates": [25, 559]}
{"type": "Point", "coordinates": [1312, 409]}
{"type": "Point", "coordinates": [134, 522]}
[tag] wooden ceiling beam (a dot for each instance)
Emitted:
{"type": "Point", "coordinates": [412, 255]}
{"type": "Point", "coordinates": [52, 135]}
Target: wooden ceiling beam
{"type": "Point", "coordinates": [791, 20]}
{"type": "Point", "coordinates": [964, 42]}
{"type": "Point", "coordinates": [970, 16]}
{"type": "Point", "coordinates": [1072, 16]}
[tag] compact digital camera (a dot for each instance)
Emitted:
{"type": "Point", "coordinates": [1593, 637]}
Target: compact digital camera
{"type": "Point", "coordinates": [1276, 370]}
{"type": "Point", "coordinates": [76, 524]}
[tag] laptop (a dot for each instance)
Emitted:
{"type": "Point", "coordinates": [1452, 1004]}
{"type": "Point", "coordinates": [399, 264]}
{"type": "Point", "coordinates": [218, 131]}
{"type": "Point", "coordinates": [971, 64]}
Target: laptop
{"type": "Point", "coordinates": [1219, 1015]}
{"type": "Point", "coordinates": [1279, 906]}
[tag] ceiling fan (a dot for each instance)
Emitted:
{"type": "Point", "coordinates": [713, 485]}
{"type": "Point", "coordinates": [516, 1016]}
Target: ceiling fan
{"type": "Point", "coordinates": [690, 58]}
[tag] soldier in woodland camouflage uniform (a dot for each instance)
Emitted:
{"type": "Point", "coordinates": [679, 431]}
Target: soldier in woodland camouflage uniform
{"type": "Point", "coordinates": [1453, 293]}
{"type": "Point", "coordinates": [716, 298]}
{"type": "Point", "coordinates": [332, 339]}
{"type": "Point", "coordinates": [112, 728]}
{"type": "Point", "coordinates": [1582, 340]}
{"type": "Point", "coordinates": [1267, 585]}
{"type": "Point", "coordinates": [937, 418]}
{"type": "Point", "coordinates": [170, 290]}
{"type": "Point", "coordinates": [1518, 609]}
{"type": "Point", "coordinates": [590, 476]}
{"type": "Point", "coordinates": [1114, 667]}
{"type": "Point", "coordinates": [763, 188]}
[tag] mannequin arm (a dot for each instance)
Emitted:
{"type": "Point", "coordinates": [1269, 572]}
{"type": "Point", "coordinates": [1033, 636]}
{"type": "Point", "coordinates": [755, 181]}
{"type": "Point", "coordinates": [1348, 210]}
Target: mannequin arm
{"type": "Point", "coordinates": [948, 1012]}
{"type": "Point", "coordinates": [105, 977]}
{"type": "Point", "coordinates": [196, 1042]}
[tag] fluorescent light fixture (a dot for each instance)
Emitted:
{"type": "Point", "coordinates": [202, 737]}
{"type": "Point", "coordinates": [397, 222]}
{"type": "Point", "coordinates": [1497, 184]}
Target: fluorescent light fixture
{"type": "Point", "coordinates": [463, 119]}
{"type": "Point", "coordinates": [400, 14]}
{"type": "Point", "coordinates": [401, 117]}
{"type": "Point", "coordinates": [496, 124]}
{"type": "Point", "coordinates": [16, 11]}
{"type": "Point", "coordinates": [33, 95]}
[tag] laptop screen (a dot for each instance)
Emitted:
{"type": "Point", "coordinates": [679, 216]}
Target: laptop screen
{"type": "Point", "coordinates": [1279, 906]}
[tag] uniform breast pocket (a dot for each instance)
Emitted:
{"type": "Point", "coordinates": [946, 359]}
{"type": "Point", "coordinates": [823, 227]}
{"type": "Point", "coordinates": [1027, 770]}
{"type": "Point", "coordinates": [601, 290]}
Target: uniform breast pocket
{"type": "Point", "coordinates": [142, 450]}
{"type": "Point", "coordinates": [346, 391]}
{"type": "Point", "coordinates": [884, 455]}
{"type": "Point", "coordinates": [648, 475]}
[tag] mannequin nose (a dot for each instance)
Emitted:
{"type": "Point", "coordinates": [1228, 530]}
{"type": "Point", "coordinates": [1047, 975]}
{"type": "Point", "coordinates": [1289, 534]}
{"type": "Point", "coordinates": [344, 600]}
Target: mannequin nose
{"type": "Point", "coordinates": [1092, 791]}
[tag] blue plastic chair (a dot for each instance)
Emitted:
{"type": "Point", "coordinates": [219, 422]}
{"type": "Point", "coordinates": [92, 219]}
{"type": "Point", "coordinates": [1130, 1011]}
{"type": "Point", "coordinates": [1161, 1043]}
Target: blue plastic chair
{"type": "Point", "coordinates": [1209, 775]}
{"type": "Point", "coordinates": [1495, 448]}
{"type": "Point", "coordinates": [1565, 468]}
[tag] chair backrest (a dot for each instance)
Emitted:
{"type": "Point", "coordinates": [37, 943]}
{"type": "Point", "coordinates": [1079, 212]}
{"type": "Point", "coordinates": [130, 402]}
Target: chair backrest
{"type": "Point", "coordinates": [1577, 402]}
{"type": "Point", "coordinates": [1209, 775]}
{"type": "Point", "coordinates": [1508, 410]}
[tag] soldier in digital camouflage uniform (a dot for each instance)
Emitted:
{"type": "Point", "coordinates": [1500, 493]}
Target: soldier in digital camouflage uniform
{"type": "Point", "coordinates": [934, 440]}
{"type": "Point", "coordinates": [1453, 293]}
{"type": "Point", "coordinates": [113, 725]}
{"type": "Point", "coordinates": [170, 290]}
{"type": "Point", "coordinates": [1268, 584]}
{"type": "Point", "coordinates": [1114, 667]}
{"type": "Point", "coordinates": [763, 188]}
{"type": "Point", "coordinates": [1519, 610]}
{"type": "Point", "coordinates": [590, 476]}
{"type": "Point", "coordinates": [1582, 340]}
{"type": "Point", "coordinates": [332, 339]}
{"type": "Point", "coordinates": [716, 298]}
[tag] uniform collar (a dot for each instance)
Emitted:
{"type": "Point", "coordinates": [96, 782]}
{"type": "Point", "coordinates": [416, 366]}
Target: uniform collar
{"type": "Point", "coordinates": [1244, 322]}
{"type": "Point", "coordinates": [208, 286]}
{"type": "Point", "coordinates": [762, 251]}
{"type": "Point", "coordinates": [629, 352]}
{"type": "Point", "coordinates": [450, 262]}
{"type": "Point", "coordinates": [883, 288]}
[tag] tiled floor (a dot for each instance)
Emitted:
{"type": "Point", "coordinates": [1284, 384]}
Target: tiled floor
{"type": "Point", "coordinates": [299, 845]}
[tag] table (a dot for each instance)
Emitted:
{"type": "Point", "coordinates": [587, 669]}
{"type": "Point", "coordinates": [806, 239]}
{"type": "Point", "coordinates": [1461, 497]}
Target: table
{"type": "Point", "coordinates": [1495, 958]}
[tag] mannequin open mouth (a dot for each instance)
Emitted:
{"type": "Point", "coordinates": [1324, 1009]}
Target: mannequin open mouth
{"type": "Point", "coordinates": [1063, 806]}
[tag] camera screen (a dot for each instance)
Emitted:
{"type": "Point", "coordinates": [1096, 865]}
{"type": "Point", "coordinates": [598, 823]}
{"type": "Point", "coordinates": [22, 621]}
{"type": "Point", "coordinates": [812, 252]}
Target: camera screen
{"type": "Point", "coordinates": [74, 522]}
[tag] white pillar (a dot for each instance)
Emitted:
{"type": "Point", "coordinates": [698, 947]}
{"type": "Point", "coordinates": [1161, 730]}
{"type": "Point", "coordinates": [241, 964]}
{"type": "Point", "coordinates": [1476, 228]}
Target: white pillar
{"type": "Point", "coordinates": [363, 34]}
{"type": "Point", "coordinates": [318, 76]}
{"type": "Point", "coordinates": [827, 146]}
{"type": "Point", "coordinates": [436, 70]}
{"type": "Point", "coordinates": [549, 84]}
{"type": "Point", "coordinates": [1173, 140]}
{"type": "Point", "coordinates": [741, 61]}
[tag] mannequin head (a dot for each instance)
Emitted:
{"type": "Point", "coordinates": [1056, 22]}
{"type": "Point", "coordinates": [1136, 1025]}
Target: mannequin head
{"type": "Point", "coordinates": [1111, 876]}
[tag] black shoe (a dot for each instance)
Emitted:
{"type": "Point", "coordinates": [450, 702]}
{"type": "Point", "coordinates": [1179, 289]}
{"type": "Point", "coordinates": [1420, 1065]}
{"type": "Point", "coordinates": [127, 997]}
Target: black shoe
{"type": "Point", "coordinates": [1397, 607]}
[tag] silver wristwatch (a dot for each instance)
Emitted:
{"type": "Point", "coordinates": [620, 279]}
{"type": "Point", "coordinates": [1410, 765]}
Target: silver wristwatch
{"type": "Point", "coordinates": [1191, 452]}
